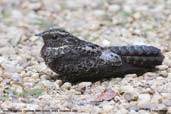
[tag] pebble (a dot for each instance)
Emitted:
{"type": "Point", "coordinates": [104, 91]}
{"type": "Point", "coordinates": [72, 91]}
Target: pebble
{"type": "Point", "coordinates": [162, 67]}
{"type": "Point", "coordinates": [35, 75]}
{"type": "Point", "coordinates": [17, 88]}
{"type": "Point", "coordinates": [169, 70]}
{"type": "Point", "coordinates": [127, 8]}
{"type": "Point", "coordinates": [44, 77]}
{"type": "Point", "coordinates": [163, 74]}
{"type": "Point", "coordinates": [137, 15]}
{"type": "Point", "coordinates": [127, 88]}
{"type": "Point", "coordinates": [105, 43]}
{"type": "Point", "coordinates": [169, 75]}
{"type": "Point", "coordinates": [149, 106]}
{"type": "Point", "coordinates": [133, 107]}
{"type": "Point", "coordinates": [169, 110]}
{"type": "Point", "coordinates": [150, 74]}
{"type": "Point", "coordinates": [66, 86]}
{"type": "Point", "coordinates": [107, 108]}
{"type": "Point", "coordinates": [166, 94]}
{"type": "Point", "coordinates": [11, 68]}
{"type": "Point", "coordinates": [167, 102]}
{"type": "Point", "coordinates": [34, 38]}
{"type": "Point", "coordinates": [113, 8]}
{"type": "Point", "coordinates": [161, 107]}
{"type": "Point", "coordinates": [7, 105]}
{"type": "Point", "coordinates": [156, 98]}
{"type": "Point", "coordinates": [31, 107]}
{"type": "Point", "coordinates": [59, 82]}
{"type": "Point", "coordinates": [99, 13]}
{"type": "Point", "coordinates": [122, 111]}
{"type": "Point", "coordinates": [3, 43]}
{"type": "Point", "coordinates": [131, 75]}
{"type": "Point", "coordinates": [7, 51]}
{"type": "Point", "coordinates": [1, 79]}
{"type": "Point", "coordinates": [130, 97]}
{"type": "Point", "coordinates": [132, 112]}
{"type": "Point", "coordinates": [84, 84]}
{"type": "Point", "coordinates": [143, 99]}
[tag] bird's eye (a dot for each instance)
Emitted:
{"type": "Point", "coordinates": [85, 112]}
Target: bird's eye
{"type": "Point", "coordinates": [71, 40]}
{"type": "Point", "coordinates": [53, 37]}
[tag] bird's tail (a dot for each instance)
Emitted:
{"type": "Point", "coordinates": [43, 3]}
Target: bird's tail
{"type": "Point", "coordinates": [139, 56]}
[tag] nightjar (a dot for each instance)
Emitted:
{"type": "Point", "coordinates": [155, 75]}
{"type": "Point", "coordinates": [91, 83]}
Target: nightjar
{"type": "Point", "coordinates": [78, 60]}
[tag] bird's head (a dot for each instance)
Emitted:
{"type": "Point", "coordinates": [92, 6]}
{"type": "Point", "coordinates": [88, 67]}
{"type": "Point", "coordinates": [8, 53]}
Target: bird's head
{"type": "Point", "coordinates": [57, 37]}
{"type": "Point", "coordinates": [53, 34]}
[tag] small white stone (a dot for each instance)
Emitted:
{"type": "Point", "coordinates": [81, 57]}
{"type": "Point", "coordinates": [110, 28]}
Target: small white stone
{"type": "Point", "coordinates": [137, 15]}
{"type": "Point", "coordinates": [143, 99]}
{"type": "Point", "coordinates": [7, 51]}
{"type": "Point", "coordinates": [169, 110]}
{"type": "Point", "coordinates": [10, 66]}
{"type": "Point", "coordinates": [163, 74]}
{"type": "Point", "coordinates": [34, 38]}
{"type": "Point", "coordinates": [156, 98]}
{"type": "Point", "coordinates": [1, 79]}
{"type": "Point", "coordinates": [107, 108]}
{"type": "Point", "coordinates": [166, 94]}
{"type": "Point", "coordinates": [122, 111]}
{"type": "Point", "coordinates": [127, 8]}
{"type": "Point", "coordinates": [17, 88]}
{"type": "Point", "coordinates": [162, 67]}
{"type": "Point", "coordinates": [58, 82]}
{"type": "Point", "coordinates": [16, 14]}
{"type": "Point", "coordinates": [85, 84]}
{"type": "Point", "coordinates": [161, 107]}
{"type": "Point", "coordinates": [14, 36]}
{"type": "Point", "coordinates": [150, 74]}
{"type": "Point", "coordinates": [167, 102]}
{"type": "Point", "coordinates": [114, 8]}
{"type": "Point", "coordinates": [66, 86]}
{"type": "Point", "coordinates": [44, 77]}
{"type": "Point", "coordinates": [131, 75]}
{"type": "Point", "coordinates": [128, 88]}
{"type": "Point", "coordinates": [105, 42]}
{"type": "Point", "coordinates": [169, 70]}
{"type": "Point", "coordinates": [169, 75]}
{"type": "Point", "coordinates": [99, 13]}
{"type": "Point", "coordinates": [130, 96]}
{"type": "Point", "coordinates": [35, 75]}
{"type": "Point", "coordinates": [31, 107]}
{"type": "Point", "coordinates": [10, 105]}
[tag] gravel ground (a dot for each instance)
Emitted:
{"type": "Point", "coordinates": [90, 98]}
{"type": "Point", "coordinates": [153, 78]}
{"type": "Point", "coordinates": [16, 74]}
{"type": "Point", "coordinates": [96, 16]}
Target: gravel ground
{"type": "Point", "coordinates": [26, 83]}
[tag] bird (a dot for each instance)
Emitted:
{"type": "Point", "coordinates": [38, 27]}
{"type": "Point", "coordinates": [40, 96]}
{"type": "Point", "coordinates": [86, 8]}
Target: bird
{"type": "Point", "coordinates": [76, 60]}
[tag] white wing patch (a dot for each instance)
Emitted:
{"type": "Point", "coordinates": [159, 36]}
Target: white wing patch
{"type": "Point", "coordinates": [109, 56]}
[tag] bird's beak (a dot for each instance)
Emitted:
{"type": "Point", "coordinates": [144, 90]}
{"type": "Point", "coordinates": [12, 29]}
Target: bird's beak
{"type": "Point", "coordinates": [39, 34]}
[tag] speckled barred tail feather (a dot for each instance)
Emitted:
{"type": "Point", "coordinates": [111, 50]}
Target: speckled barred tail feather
{"type": "Point", "coordinates": [146, 56]}
{"type": "Point", "coordinates": [136, 50]}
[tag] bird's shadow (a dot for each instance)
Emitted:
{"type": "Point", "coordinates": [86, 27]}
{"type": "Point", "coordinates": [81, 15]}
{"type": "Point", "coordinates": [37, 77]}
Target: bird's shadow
{"type": "Point", "coordinates": [95, 79]}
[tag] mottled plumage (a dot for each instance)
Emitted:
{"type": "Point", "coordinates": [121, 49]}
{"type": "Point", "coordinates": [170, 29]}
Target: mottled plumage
{"type": "Point", "coordinates": [77, 60]}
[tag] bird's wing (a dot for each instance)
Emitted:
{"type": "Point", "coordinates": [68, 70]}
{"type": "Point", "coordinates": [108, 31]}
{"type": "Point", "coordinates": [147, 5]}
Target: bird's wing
{"type": "Point", "coordinates": [70, 54]}
{"type": "Point", "coordinates": [85, 59]}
